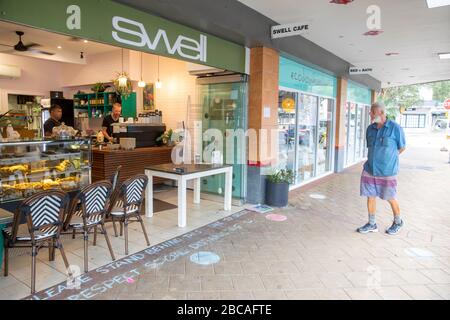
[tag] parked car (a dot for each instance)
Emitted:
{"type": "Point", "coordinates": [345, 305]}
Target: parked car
{"type": "Point", "coordinates": [440, 124]}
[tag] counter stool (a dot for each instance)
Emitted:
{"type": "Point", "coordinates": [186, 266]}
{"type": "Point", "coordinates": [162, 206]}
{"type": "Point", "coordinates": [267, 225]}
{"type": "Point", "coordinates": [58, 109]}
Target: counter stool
{"type": "Point", "coordinates": [44, 212]}
{"type": "Point", "coordinates": [132, 193]}
{"type": "Point", "coordinates": [87, 212]}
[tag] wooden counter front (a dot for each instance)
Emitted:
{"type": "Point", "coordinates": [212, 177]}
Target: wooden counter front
{"type": "Point", "coordinates": [105, 162]}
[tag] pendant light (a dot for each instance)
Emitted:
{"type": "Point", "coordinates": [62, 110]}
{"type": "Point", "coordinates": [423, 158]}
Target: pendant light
{"type": "Point", "coordinates": [158, 83]}
{"type": "Point", "coordinates": [141, 83]}
{"type": "Point", "coordinates": [123, 79]}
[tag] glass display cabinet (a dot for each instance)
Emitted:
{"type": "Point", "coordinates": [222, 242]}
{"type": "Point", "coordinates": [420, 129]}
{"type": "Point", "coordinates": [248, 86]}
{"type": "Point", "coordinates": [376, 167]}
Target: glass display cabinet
{"type": "Point", "coordinates": [27, 167]}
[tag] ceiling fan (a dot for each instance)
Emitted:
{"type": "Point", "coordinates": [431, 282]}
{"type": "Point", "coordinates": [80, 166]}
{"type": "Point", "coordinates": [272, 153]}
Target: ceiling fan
{"type": "Point", "coordinates": [21, 47]}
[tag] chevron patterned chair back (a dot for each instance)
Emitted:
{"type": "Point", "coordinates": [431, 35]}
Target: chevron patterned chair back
{"type": "Point", "coordinates": [44, 213]}
{"type": "Point", "coordinates": [93, 199]}
{"type": "Point", "coordinates": [133, 190]}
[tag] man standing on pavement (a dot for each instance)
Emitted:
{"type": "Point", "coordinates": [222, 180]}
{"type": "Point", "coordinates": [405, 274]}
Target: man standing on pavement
{"type": "Point", "coordinates": [385, 141]}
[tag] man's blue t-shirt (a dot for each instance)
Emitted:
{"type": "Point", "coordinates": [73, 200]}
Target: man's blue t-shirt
{"type": "Point", "coordinates": [383, 145]}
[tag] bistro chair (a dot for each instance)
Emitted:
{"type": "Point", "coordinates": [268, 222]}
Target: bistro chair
{"type": "Point", "coordinates": [132, 193]}
{"type": "Point", "coordinates": [115, 181]}
{"type": "Point", "coordinates": [114, 200]}
{"type": "Point", "coordinates": [44, 214]}
{"type": "Point", "coordinates": [87, 212]}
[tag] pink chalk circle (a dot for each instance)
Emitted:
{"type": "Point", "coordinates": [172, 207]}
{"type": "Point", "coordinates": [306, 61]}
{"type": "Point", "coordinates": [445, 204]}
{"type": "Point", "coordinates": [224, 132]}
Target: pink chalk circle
{"type": "Point", "coordinates": [130, 280]}
{"type": "Point", "coordinates": [276, 217]}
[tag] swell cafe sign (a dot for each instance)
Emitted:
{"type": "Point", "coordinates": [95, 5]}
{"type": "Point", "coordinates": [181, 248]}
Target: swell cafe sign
{"type": "Point", "coordinates": [113, 23]}
{"type": "Point", "coordinates": [288, 30]}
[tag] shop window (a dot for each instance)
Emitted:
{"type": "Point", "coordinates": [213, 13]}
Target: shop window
{"type": "Point", "coordinates": [416, 121]}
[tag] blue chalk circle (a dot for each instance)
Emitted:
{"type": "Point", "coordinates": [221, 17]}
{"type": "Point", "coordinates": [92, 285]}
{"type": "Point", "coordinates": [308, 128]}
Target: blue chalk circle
{"type": "Point", "coordinates": [205, 258]}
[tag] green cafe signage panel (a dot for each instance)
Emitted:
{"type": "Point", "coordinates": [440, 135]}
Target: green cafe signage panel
{"type": "Point", "coordinates": [113, 23]}
{"type": "Point", "coordinates": [359, 94]}
{"type": "Point", "coordinates": [299, 77]}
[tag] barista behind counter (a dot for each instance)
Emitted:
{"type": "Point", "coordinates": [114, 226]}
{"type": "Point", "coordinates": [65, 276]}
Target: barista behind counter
{"type": "Point", "coordinates": [107, 127]}
{"type": "Point", "coordinates": [53, 121]}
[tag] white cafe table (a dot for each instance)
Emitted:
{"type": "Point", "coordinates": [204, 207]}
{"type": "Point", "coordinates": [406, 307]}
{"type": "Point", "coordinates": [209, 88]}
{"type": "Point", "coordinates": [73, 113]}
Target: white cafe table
{"type": "Point", "coordinates": [191, 172]}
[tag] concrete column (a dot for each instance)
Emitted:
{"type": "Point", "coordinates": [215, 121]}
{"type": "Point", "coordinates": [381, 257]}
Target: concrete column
{"type": "Point", "coordinates": [374, 96]}
{"type": "Point", "coordinates": [262, 115]}
{"type": "Point", "coordinates": [341, 137]}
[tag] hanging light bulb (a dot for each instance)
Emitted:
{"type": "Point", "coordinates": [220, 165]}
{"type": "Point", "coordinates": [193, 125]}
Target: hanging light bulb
{"type": "Point", "coordinates": [141, 84]}
{"type": "Point", "coordinates": [122, 79]}
{"type": "Point", "coordinates": [158, 83]}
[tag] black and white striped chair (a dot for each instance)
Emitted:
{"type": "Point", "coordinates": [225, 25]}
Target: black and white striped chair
{"type": "Point", "coordinates": [131, 196]}
{"type": "Point", "coordinates": [115, 200]}
{"type": "Point", "coordinates": [44, 213]}
{"type": "Point", "coordinates": [87, 212]}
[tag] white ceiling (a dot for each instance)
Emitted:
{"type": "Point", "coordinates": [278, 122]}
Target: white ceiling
{"type": "Point", "coordinates": [49, 42]}
{"type": "Point", "coordinates": [417, 33]}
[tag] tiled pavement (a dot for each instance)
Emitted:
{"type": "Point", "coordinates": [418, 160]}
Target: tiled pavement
{"type": "Point", "coordinates": [315, 254]}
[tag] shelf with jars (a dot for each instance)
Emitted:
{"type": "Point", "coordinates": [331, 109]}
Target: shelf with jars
{"type": "Point", "coordinates": [27, 167]}
{"type": "Point", "coordinates": [97, 104]}
{"type": "Point", "coordinates": [100, 104]}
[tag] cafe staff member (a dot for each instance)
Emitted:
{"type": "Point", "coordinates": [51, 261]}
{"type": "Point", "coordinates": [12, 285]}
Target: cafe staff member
{"type": "Point", "coordinates": [107, 127]}
{"type": "Point", "coordinates": [53, 121]}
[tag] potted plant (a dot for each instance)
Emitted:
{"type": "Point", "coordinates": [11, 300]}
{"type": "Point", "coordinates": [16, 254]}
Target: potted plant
{"type": "Point", "coordinates": [99, 87]}
{"type": "Point", "coordinates": [277, 187]}
{"type": "Point", "coordinates": [166, 138]}
{"type": "Point", "coordinates": [123, 90]}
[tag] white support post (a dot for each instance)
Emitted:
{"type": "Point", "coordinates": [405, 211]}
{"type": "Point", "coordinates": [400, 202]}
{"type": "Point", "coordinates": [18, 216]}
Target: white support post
{"type": "Point", "coordinates": [181, 202]}
{"type": "Point", "coordinates": [197, 187]}
{"type": "Point", "coordinates": [149, 196]}
{"type": "Point", "coordinates": [228, 189]}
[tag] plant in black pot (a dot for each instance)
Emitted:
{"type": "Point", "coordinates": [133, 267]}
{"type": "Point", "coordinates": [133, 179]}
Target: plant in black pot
{"type": "Point", "coordinates": [277, 187]}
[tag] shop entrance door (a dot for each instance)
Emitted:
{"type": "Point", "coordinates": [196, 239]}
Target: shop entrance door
{"type": "Point", "coordinates": [357, 121]}
{"type": "Point", "coordinates": [307, 137]}
{"type": "Point", "coordinates": [287, 133]}
{"type": "Point", "coordinates": [223, 104]}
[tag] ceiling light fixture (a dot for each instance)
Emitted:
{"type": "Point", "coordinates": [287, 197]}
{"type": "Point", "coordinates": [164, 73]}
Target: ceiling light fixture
{"type": "Point", "coordinates": [158, 84]}
{"type": "Point", "coordinates": [59, 47]}
{"type": "Point", "coordinates": [437, 3]}
{"type": "Point", "coordinates": [445, 55]}
{"type": "Point", "coordinates": [141, 84]}
{"type": "Point", "coordinates": [85, 41]}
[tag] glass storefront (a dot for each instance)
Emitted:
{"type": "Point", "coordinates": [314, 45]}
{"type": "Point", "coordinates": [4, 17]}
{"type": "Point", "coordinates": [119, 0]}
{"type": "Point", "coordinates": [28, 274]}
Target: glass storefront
{"type": "Point", "coordinates": [286, 125]}
{"type": "Point", "coordinates": [224, 107]}
{"type": "Point", "coordinates": [357, 119]}
{"type": "Point", "coordinates": [306, 127]}
{"type": "Point", "coordinates": [306, 121]}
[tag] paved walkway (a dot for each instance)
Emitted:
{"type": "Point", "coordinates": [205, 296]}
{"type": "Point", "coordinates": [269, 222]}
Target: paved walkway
{"type": "Point", "coordinates": [314, 254]}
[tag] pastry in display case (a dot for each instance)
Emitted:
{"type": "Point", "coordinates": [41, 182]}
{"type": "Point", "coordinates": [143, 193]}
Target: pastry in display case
{"type": "Point", "coordinates": [27, 167]}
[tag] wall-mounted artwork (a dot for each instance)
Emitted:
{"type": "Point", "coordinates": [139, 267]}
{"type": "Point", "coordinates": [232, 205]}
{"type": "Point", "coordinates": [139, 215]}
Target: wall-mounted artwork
{"type": "Point", "coordinates": [149, 97]}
